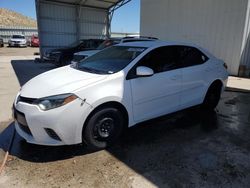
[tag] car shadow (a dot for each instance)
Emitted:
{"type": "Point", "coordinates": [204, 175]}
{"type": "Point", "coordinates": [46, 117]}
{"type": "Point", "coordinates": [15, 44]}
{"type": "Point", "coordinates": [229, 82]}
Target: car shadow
{"type": "Point", "coordinates": [144, 134]}
{"type": "Point", "coordinates": [36, 153]}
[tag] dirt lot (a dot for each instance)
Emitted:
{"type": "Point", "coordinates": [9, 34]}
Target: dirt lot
{"type": "Point", "coordinates": [191, 148]}
{"type": "Point", "coordinates": [17, 51]}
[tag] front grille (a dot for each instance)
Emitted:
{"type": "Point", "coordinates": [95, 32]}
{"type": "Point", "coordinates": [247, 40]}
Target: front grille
{"type": "Point", "coordinates": [26, 100]}
{"type": "Point", "coordinates": [25, 128]}
{"type": "Point", "coordinates": [20, 117]}
{"type": "Point", "coordinates": [21, 120]}
{"type": "Point", "coordinates": [52, 134]}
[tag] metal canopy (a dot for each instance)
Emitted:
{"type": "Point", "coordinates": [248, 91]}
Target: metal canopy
{"type": "Point", "coordinates": [101, 4]}
{"type": "Point", "coordinates": [62, 22]}
{"type": "Point", "coordinates": [109, 5]}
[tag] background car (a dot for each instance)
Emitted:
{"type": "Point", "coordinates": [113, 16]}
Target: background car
{"type": "Point", "coordinates": [1, 42]}
{"type": "Point", "coordinates": [109, 42]}
{"type": "Point", "coordinates": [18, 40]}
{"type": "Point", "coordinates": [63, 56]}
{"type": "Point", "coordinates": [34, 42]}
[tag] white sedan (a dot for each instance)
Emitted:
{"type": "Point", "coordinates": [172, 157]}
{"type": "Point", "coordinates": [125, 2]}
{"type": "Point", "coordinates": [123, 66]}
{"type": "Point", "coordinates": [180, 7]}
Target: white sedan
{"type": "Point", "coordinates": [94, 100]}
{"type": "Point", "coordinates": [18, 40]}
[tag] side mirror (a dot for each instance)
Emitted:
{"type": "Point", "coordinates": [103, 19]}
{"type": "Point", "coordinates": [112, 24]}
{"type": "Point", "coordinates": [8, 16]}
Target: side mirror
{"type": "Point", "coordinates": [143, 71]}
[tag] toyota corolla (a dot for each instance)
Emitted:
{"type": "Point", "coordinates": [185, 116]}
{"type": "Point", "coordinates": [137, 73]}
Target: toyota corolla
{"type": "Point", "coordinates": [92, 101]}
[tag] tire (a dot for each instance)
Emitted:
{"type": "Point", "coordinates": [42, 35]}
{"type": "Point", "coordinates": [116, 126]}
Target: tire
{"type": "Point", "coordinates": [212, 97]}
{"type": "Point", "coordinates": [103, 128]}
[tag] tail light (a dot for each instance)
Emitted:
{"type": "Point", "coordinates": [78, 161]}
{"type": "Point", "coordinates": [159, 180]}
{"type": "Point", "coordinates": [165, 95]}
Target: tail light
{"type": "Point", "coordinates": [225, 65]}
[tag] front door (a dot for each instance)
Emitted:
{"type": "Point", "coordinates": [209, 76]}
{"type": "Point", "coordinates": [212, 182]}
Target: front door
{"type": "Point", "coordinates": [158, 94]}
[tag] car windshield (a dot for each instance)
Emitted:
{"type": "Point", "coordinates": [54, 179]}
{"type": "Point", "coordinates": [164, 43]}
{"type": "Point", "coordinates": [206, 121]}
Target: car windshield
{"type": "Point", "coordinates": [110, 60]}
{"type": "Point", "coordinates": [107, 43]}
{"type": "Point", "coordinates": [18, 37]}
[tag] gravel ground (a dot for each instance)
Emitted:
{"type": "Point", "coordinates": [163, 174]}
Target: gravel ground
{"type": "Point", "coordinates": [191, 148]}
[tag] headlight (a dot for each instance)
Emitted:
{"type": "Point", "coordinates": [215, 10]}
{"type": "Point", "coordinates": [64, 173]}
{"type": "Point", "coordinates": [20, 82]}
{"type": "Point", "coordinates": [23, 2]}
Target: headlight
{"type": "Point", "coordinates": [56, 101]}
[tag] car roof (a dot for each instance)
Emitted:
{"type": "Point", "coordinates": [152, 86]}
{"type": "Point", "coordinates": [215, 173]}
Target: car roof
{"type": "Point", "coordinates": [135, 39]}
{"type": "Point", "coordinates": [160, 43]}
{"type": "Point", "coordinates": [156, 43]}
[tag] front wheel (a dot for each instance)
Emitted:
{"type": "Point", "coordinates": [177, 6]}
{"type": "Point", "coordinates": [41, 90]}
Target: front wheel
{"type": "Point", "coordinates": [103, 128]}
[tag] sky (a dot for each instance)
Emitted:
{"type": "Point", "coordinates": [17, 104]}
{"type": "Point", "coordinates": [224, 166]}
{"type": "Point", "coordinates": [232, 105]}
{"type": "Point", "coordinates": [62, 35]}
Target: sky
{"type": "Point", "coordinates": [125, 19]}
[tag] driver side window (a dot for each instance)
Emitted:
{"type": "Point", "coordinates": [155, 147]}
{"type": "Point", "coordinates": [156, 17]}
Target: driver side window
{"type": "Point", "coordinates": [161, 59]}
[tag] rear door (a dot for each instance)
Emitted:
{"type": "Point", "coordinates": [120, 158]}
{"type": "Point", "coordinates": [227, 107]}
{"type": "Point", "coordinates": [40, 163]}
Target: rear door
{"type": "Point", "coordinates": [194, 70]}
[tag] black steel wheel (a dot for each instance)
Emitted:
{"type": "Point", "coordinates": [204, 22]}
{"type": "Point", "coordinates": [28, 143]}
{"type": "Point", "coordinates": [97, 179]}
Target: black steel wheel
{"type": "Point", "coordinates": [103, 128]}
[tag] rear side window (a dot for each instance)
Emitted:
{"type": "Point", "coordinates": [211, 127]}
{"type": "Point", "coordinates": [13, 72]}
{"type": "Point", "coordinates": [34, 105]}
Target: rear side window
{"type": "Point", "coordinates": [190, 56]}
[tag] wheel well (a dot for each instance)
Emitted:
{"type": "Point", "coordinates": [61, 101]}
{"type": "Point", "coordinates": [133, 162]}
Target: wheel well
{"type": "Point", "coordinates": [114, 104]}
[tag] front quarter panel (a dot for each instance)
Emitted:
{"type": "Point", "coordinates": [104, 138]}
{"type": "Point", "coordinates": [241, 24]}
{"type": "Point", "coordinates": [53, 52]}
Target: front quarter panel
{"type": "Point", "coordinates": [114, 88]}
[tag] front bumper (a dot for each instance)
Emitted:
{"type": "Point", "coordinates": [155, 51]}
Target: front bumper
{"type": "Point", "coordinates": [17, 44]}
{"type": "Point", "coordinates": [59, 126]}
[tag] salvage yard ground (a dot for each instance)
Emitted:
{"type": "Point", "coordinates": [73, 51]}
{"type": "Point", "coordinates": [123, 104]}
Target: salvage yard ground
{"type": "Point", "coordinates": [191, 148]}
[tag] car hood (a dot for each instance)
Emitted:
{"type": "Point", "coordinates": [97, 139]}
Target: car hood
{"type": "Point", "coordinates": [87, 53]}
{"type": "Point", "coordinates": [58, 81]}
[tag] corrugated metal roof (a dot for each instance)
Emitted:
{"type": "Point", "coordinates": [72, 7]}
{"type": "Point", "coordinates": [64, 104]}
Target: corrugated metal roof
{"type": "Point", "coordinates": [103, 4]}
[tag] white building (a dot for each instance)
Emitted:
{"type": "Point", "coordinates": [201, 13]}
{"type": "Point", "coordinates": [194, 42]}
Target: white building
{"type": "Point", "coordinates": [221, 26]}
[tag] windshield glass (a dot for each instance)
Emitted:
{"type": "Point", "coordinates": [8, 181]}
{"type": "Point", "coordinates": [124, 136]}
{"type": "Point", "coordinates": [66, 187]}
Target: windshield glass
{"type": "Point", "coordinates": [18, 37]}
{"type": "Point", "coordinates": [110, 60]}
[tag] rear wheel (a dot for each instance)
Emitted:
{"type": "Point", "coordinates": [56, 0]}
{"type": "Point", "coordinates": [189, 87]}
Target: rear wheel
{"type": "Point", "coordinates": [103, 128]}
{"type": "Point", "coordinates": [212, 97]}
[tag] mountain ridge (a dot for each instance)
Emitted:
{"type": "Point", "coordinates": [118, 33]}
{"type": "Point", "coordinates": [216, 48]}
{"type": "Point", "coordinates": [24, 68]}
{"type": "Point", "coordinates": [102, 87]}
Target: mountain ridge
{"type": "Point", "coordinates": [14, 19]}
